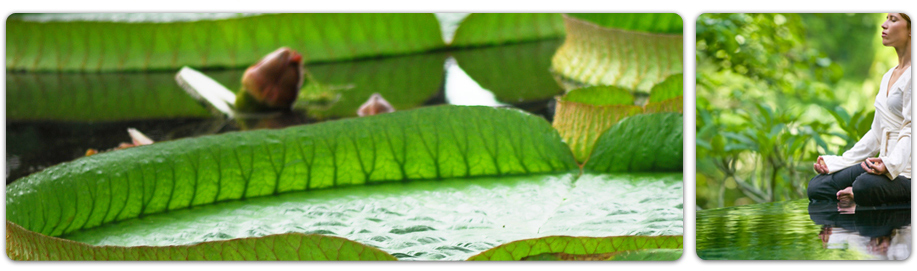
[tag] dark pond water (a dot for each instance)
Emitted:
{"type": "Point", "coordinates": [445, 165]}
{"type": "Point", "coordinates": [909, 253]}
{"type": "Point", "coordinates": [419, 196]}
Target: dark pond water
{"type": "Point", "coordinates": [799, 230]}
{"type": "Point", "coordinates": [55, 117]}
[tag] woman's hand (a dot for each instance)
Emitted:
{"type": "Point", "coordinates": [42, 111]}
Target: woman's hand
{"type": "Point", "coordinates": [874, 166]}
{"type": "Point", "coordinates": [820, 166]}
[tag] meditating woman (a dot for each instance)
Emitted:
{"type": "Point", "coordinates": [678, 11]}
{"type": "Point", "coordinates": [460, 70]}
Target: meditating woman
{"type": "Point", "coordinates": [859, 176]}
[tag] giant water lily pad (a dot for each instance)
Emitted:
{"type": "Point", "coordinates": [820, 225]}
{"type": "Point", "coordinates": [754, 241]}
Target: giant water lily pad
{"type": "Point", "coordinates": [571, 248]}
{"type": "Point", "coordinates": [585, 114]}
{"type": "Point", "coordinates": [582, 116]}
{"type": "Point", "coordinates": [27, 245]}
{"type": "Point", "coordinates": [633, 56]}
{"type": "Point", "coordinates": [169, 41]}
{"type": "Point", "coordinates": [480, 29]}
{"type": "Point", "coordinates": [384, 181]}
{"type": "Point", "coordinates": [645, 142]}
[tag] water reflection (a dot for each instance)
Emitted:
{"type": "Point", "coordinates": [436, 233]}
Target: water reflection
{"type": "Point", "coordinates": [882, 232]}
{"type": "Point", "coordinates": [462, 90]}
{"type": "Point", "coordinates": [92, 97]}
{"type": "Point", "coordinates": [796, 230]}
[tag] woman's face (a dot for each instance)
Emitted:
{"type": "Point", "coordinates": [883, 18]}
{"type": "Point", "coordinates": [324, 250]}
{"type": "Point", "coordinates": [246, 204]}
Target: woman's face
{"type": "Point", "coordinates": [895, 32]}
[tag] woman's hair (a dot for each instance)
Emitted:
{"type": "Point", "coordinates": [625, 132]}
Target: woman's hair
{"type": "Point", "coordinates": [906, 18]}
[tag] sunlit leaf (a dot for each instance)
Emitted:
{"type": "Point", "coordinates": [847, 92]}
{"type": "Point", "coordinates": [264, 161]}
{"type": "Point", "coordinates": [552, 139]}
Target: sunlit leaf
{"type": "Point", "coordinates": [166, 176]}
{"type": "Point", "coordinates": [601, 95]}
{"type": "Point", "coordinates": [27, 245]}
{"type": "Point", "coordinates": [107, 42]}
{"type": "Point", "coordinates": [389, 147]}
{"type": "Point", "coordinates": [670, 23]}
{"type": "Point", "coordinates": [596, 55]}
{"type": "Point", "coordinates": [576, 248]}
{"type": "Point", "coordinates": [649, 255]}
{"type": "Point", "coordinates": [671, 87]}
{"type": "Point", "coordinates": [675, 105]}
{"type": "Point", "coordinates": [645, 142]}
{"type": "Point", "coordinates": [582, 115]}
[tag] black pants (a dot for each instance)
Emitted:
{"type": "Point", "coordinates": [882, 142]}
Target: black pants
{"type": "Point", "coordinates": [868, 189]}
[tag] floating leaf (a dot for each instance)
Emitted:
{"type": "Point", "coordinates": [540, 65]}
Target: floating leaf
{"type": "Point", "coordinates": [107, 42]}
{"type": "Point", "coordinates": [649, 255]}
{"type": "Point", "coordinates": [601, 95]}
{"type": "Point", "coordinates": [595, 55]}
{"type": "Point", "coordinates": [582, 115]}
{"type": "Point", "coordinates": [499, 28]}
{"type": "Point", "coordinates": [416, 144]}
{"type": "Point", "coordinates": [573, 247]}
{"type": "Point", "coordinates": [675, 105]}
{"type": "Point", "coordinates": [639, 255]}
{"type": "Point", "coordinates": [670, 23]}
{"type": "Point", "coordinates": [667, 96]}
{"type": "Point", "coordinates": [26, 245]}
{"type": "Point", "coordinates": [428, 143]}
{"type": "Point", "coordinates": [645, 142]}
{"type": "Point", "coordinates": [671, 87]}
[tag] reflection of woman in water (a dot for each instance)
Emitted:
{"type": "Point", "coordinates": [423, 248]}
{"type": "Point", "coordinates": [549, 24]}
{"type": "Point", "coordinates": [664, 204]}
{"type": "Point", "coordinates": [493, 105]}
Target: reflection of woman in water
{"type": "Point", "coordinates": [883, 232]}
{"type": "Point", "coordinates": [858, 172]}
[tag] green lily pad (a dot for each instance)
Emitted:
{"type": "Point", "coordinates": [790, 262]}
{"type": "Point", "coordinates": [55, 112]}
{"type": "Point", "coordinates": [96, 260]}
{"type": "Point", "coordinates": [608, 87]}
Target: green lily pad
{"type": "Point", "coordinates": [670, 23]}
{"type": "Point", "coordinates": [594, 55]}
{"type": "Point", "coordinates": [600, 95]}
{"type": "Point", "coordinates": [417, 144]}
{"type": "Point", "coordinates": [480, 29]}
{"type": "Point", "coordinates": [179, 174]}
{"type": "Point", "coordinates": [671, 87]}
{"type": "Point", "coordinates": [582, 115]}
{"type": "Point", "coordinates": [103, 42]}
{"type": "Point", "coordinates": [27, 245]}
{"type": "Point", "coordinates": [559, 247]}
{"type": "Point", "coordinates": [645, 142]}
{"type": "Point", "coordinates": [667, 96]}
{"type": "Point", "coordinates": [171, 196]}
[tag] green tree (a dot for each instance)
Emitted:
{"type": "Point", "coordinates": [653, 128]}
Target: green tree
{"type": "Point", "coordinates": [771, 95]}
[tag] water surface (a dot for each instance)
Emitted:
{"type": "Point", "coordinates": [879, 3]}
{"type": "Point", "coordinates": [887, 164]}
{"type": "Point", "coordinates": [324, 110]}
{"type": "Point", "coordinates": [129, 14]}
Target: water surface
{"type": "Point", "coordinates": [798, 230]}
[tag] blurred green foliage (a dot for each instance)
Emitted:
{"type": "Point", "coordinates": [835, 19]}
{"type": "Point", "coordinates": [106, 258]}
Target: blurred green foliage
{"type": "Point", "coordinates": [774, 91]}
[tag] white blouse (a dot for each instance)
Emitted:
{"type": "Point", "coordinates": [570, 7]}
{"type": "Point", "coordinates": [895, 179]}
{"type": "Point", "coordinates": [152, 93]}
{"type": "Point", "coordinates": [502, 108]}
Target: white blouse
{"type": "Point", "coordinates": [890, 134]}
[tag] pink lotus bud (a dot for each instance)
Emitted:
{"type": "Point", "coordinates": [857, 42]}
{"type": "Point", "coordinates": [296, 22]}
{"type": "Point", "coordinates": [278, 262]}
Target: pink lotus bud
{"type": "Point", "coordinates": [274, 82]}
{"type": "Point", "coordinates": [375, 105]}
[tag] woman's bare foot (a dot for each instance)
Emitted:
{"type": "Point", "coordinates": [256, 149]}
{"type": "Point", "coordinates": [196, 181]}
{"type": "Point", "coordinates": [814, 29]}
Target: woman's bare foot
{"type": "Point", "coordinates": [846, 204]}
{"type": "Point", "coordinates": [845, 195]}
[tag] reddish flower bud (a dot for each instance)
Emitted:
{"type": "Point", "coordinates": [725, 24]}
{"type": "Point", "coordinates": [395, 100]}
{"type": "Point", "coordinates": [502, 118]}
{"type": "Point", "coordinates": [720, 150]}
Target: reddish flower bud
{"type": "Point", "coordinates": [273, 82]}
{"type": "Point", "coordinates": [375, 105]}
